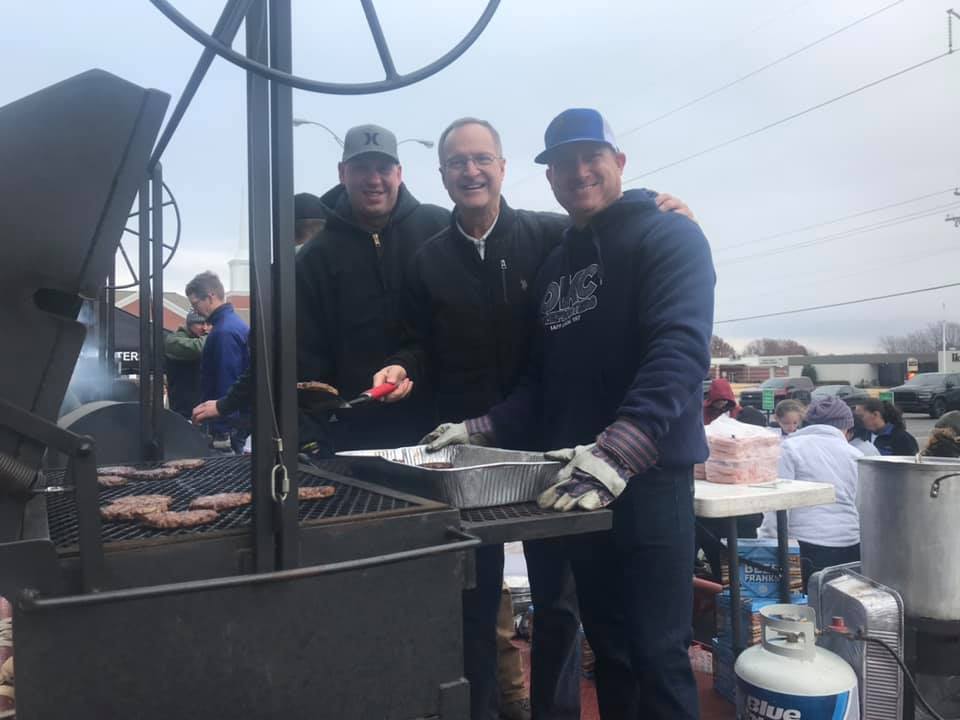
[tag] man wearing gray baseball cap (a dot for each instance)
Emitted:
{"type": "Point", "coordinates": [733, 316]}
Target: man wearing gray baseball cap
{"type": "Point", "coordinates": [349, 278]}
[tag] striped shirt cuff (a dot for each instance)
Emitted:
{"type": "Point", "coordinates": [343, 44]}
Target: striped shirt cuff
{"type": "Point", "coordinates": [482, 425]}
{"type": "Point", "coordinates": [628, 445]}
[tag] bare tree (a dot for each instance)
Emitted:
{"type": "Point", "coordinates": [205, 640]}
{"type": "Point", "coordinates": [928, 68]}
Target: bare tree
{"type": "Point", "coordinates": [925, 340]}
{"type": "Point", "coordinates": [774, 346]}
{"type": "Point", "coordinates": [720, 348]}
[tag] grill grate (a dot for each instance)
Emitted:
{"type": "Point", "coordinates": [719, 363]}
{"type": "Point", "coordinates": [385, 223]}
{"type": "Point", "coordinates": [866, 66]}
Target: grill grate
{"type": "Point", "coordinates": [505, 512]}
{"type": "Point", "coordinates": [218, 474]}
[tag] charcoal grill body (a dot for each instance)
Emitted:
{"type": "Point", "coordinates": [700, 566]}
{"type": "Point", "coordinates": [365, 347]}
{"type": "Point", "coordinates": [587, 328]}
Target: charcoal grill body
{"type": "Point", "coordinates": [71, 159]}
{"type": "Point", "coordinates": [368, 626]}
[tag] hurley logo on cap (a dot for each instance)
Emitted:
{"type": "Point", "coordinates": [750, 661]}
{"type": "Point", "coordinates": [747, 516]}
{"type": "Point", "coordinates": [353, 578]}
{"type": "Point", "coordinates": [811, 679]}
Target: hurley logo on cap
{"type": "Point", "coordinates": [371, 138]}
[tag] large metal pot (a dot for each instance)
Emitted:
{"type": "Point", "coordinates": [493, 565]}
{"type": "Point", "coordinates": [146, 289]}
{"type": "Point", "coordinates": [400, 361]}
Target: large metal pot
{"type": "Point", "coordinates": [910, 531]}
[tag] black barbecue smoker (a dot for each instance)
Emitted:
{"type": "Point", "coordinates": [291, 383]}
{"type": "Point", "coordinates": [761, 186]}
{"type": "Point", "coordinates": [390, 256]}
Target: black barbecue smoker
{"type": "Point", "coordinates": [350, 608]}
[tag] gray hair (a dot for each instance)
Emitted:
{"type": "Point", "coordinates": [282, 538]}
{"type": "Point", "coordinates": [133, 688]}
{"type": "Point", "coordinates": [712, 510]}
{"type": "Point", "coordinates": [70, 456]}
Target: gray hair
{"type": "Point", "coordinates": [459, 123]}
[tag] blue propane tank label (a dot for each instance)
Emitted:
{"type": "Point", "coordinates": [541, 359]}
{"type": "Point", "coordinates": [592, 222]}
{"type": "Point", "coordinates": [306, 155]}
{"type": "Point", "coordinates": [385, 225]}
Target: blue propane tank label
{"type": "Point", "coordinates": [754, 703]}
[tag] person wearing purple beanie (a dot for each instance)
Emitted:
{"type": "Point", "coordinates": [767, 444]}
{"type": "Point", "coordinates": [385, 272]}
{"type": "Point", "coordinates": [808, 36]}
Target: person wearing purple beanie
{"type": "Point", "coordinates": [820, 452]}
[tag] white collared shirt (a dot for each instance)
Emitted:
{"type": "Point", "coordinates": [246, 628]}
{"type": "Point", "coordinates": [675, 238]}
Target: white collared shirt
{"type": "Point", "coordinates": [481, 242]}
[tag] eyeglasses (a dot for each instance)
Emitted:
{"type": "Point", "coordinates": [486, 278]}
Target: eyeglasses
{"type": "Point", "coordinates": [459, 163]}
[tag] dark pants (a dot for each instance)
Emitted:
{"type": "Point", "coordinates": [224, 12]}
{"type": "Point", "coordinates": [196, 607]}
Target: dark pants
{"type": "Point", "coordinates": [817, 557]}
{"type": "Point", "coordinates": [480, 607]}
{"type": "Point", "coordinates": [555, 655]}
{"type": "Point", "coordinates": [635, 585]}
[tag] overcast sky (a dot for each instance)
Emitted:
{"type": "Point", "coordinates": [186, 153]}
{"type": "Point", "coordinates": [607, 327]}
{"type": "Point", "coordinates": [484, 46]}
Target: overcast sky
{"type": "Point", "coordinates": [634, 61]}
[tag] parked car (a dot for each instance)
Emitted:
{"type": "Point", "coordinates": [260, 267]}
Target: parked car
{"type": "Point", "coordinates": [932, 393]}
{"type": "Point", "coordinates": [848, 393]}
{"type": "Point", "coordinates": [783, 388]}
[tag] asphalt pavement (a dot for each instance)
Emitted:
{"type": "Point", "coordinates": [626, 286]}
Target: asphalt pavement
{"type": "Point", "coordinates": [919, 426]}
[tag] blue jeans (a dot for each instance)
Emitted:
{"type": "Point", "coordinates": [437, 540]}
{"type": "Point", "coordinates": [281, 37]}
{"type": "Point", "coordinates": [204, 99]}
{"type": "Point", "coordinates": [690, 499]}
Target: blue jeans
{"type": "Point", "coordinates": [635, 585]}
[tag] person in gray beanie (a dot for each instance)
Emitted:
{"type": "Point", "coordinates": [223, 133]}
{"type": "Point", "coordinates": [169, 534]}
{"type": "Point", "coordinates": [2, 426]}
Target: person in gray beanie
{"type": "Point", "coordinates": [820, 452]}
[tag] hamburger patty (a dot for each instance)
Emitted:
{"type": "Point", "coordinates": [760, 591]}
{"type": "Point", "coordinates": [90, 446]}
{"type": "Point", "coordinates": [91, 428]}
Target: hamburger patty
{"type": "Point", "coordinates": [180, 519]}
{"type": "Point", "coordinates": [133, 507]}
{"type": "Point", "coordinates": [221, 501]}
{"type": "Point", "coordinates": [315, 492]}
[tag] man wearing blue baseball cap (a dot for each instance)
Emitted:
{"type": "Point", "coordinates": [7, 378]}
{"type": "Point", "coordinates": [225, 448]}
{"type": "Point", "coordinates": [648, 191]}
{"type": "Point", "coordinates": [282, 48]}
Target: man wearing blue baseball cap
{"type": "Point", "coordinates": [619, 352]}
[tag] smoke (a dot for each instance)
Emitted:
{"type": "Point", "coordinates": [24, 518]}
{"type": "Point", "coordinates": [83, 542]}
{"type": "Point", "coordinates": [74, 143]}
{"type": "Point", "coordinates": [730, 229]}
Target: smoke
{"type": "Point", "coordinates": [92, 380]}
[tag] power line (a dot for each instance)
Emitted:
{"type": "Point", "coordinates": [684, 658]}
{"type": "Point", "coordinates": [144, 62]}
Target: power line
{"type": "Point", "coordinates": [759, 70]}
{"type": "Point", "coordinates": [733, 41]}
{"type": "Point", "coordinates": [861, 213]}
{"type": "Point", "coordinates": [822, 277]}
{"type": "Point", "coordinates": [794, 116]}
{"type": "Point", "coordinates": [839, 304]}
{"type": "Point", "coordinates": [880, 225]}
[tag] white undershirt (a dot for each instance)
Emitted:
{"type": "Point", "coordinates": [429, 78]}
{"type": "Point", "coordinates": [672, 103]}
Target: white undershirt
{"type": "Point", "coordinates": [481, 242]}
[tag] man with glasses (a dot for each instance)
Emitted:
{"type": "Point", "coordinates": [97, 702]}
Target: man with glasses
{"type": "Point", "coordinates": [621, 344]}
{"type": "Point", "coordinates": [225, 355]}
{"type": "Point", "coordinates": [467, 334]}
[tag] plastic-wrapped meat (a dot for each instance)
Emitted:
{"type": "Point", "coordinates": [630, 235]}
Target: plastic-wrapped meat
{"type": "Point", "coordinates": [741, 453]}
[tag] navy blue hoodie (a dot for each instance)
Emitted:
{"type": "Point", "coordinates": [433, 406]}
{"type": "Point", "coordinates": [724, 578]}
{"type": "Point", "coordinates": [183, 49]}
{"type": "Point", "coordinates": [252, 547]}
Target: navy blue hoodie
{"type": "Point", "coordinates": [623, 332]}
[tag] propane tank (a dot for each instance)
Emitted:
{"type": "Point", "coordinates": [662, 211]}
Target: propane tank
{"type": "Point", "coordinates": [787, 677]}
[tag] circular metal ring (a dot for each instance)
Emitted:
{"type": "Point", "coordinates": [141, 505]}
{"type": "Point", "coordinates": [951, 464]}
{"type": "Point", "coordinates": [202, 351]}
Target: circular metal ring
{"type": "Point", "coordinates": [392, 82]}
{"type": "Point", "coordinates": [171, 248]}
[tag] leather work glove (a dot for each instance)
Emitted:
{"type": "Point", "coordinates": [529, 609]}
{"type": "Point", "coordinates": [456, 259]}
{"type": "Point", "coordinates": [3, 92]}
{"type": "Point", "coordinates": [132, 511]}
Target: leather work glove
{"type": "Point", "coordinates": [589, 480]}
{"type": "Point", "coordinates": [594, 475]}
{"type": "Point", "coordinates": [477, 431]}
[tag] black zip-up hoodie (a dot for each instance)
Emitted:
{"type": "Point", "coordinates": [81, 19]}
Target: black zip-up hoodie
{"type": "Point", "coordinates": [349, 283]}
{"type": "Point", "coordinates": [467, 319]}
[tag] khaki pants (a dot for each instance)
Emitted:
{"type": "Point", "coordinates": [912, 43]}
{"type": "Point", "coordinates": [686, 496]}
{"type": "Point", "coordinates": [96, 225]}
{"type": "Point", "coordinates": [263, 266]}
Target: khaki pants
{"type": "Point", "coordinates": [509, 662]}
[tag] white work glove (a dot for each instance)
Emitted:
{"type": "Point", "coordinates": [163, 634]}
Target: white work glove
{"type": "Point", "coordinates": [590, 479]}
{"type": "Point", "coordinates": [462, 433]}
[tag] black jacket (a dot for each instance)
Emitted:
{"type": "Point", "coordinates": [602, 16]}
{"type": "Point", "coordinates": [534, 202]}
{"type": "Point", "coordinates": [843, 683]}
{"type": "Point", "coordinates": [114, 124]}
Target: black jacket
{"type": "Point", "coordinates": [349, 284]}
{"type": "Point", "coordinates": [895, 441]}
{"type": "Point", "coordinates": [467, 320]}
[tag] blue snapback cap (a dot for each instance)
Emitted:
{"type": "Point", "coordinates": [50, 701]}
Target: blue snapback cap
{"type": "Point", "coordinates": [575, 125]}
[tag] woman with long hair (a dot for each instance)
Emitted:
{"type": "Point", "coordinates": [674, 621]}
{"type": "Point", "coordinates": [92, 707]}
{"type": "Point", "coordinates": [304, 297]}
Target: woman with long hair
{"type": "Point", "coordinates": [889, 431]}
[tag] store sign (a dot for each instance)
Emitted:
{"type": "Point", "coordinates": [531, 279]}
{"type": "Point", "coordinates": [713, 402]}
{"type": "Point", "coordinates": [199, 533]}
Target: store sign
{"type": "Point", "coordinates": [774, 361]}
{"type": "Point", "coordinates": [769, 401]}
{"type": "Point", "coordinates": [913, 365]}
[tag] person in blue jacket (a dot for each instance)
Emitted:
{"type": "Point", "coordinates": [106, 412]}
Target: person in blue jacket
{"type": "Point", "coordinates": [225, 354]}
{"type": "Point", "coordinates": [620, 349]}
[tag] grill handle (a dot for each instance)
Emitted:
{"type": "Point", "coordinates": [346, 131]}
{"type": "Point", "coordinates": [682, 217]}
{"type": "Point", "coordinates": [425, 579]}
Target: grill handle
{"type": "Point", "coordinates": [30, 600]}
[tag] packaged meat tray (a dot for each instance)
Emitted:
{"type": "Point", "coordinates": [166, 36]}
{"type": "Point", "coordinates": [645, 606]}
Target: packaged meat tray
{"type": "Point", "coordinates": [741, 453]}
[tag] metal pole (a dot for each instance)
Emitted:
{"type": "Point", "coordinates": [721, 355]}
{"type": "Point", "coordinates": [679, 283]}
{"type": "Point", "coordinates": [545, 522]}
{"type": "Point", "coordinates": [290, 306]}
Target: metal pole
{"type": "Point", "coordinates": [283, 280]}
{"type": "Point", "coordinates": [783, 555]}
{"type": "Point", "coordinates": [111, 326]}
{"type": "Point", "coordinates": [733, 563]}
{"type": "Point", "coordinates": [156, 356]}
{"type": "Point", "coordinates": [258, 204]}
{"type": "Point", "coordinates": [146, 417]}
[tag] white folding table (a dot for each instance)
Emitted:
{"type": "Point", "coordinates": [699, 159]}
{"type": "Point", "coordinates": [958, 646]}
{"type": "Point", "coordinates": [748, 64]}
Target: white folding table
{"type": "Point", "coordinates": [719, 500]}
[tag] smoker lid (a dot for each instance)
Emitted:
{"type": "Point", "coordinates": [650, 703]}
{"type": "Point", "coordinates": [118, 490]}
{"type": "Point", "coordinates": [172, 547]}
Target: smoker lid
{"type": "Point", "coordinates": [72, 157]}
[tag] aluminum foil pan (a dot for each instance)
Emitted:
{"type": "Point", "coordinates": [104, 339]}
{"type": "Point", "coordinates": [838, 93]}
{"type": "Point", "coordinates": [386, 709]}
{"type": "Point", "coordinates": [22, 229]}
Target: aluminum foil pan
{"type": "Point", "coordinates": [480, 476]}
